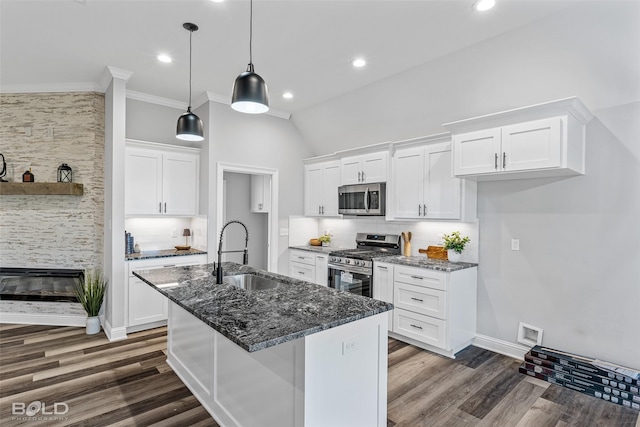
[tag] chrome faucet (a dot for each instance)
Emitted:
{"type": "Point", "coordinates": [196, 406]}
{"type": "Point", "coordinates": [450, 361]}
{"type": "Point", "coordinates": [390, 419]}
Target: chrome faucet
{"type": "Point", "coordinates": [245, 257]}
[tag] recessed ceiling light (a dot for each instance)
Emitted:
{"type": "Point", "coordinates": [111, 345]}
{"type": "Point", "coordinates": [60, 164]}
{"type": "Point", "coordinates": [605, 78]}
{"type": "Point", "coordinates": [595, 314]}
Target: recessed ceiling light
{"type": "Point", "coordinates": [358, 62]}
{"type": "Point", "coordinates": [217, 1]}
{"type": "Point", "coordinates": [287, 95]}
{"type": "Point", "coordinates": [164, 58]}
{"type": "Point", "coordinates": [482, 5]}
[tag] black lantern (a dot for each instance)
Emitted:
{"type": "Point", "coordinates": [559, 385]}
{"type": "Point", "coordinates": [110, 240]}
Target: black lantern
{"type": "Point", "coordinates": [65, 174]}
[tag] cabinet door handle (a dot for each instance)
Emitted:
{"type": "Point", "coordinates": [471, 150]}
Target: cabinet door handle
{"type": "Point", "coordinates": [424, 210]}
{"type": "Point", "coordinates": [417, 299]}
{"type": "Point", "coordinates": [160, 207]}
{"type": "Point", "coordinates": [323, 210]}
{"type": "Point", "coordinates": [319, 210]}
{"type": "Point", "coordinates": [495, 162]}
{"type": "Point", "coordinates": [165, 207]}
{"type": "Point", "coordinates": [419, 210]}
{"type": "Point", "coordinates": [363, 178]}
{"type": "Point", "coordinates": [358, 176]}
{"type": "Point", "coordinates": [416, 326]}
{"type": "Point", "coordinates": [417, 277]}
{"type": "Point", "coordinates": [504, 160]}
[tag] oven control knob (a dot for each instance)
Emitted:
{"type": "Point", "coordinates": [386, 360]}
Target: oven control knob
{"type": "Point", "coordinates": [347, 261]}
{"type": "Point", "coordinates": [361, 263]}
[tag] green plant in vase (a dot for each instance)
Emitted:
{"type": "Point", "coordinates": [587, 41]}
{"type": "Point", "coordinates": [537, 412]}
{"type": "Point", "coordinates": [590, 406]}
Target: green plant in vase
{"type": "Point", "coordinates": [454, 243]}
{"type": "Point", "coordinates": [90, 292]}
{"type": "Point", "coordinates": [325, 239]}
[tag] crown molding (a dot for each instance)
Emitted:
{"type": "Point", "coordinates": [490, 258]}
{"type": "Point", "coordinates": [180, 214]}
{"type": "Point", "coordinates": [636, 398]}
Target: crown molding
{"type": "Point", "coordinates": [51, 87]}
{"type": "Point", "coordinates": [111, 73]}
{"type": "Point", "coordinates": [152, 99]}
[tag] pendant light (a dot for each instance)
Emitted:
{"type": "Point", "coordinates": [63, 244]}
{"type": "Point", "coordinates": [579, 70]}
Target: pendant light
{"type": "Point", "coordinates": [189, 125]}
{"type": "Point", "coordinates": [250, 90]}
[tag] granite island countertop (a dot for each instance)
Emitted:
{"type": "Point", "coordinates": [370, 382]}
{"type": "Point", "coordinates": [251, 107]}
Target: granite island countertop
{"type": "Point", "coordinates": [255, 320]}
{"type": "Point", "coordinates": [163, 253]}
{"type": "Point", "coordinates": [428, 263]}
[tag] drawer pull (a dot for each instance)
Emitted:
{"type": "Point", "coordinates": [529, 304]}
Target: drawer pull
{"type": "Point", "coordinates": [301, 272]}
{"type": "Point", "coordinates": [382, 267]}
{"type": "Point", "coordinates": [417, 277]}
{"type": "Point", "coordinates": [416, 326]}
{"type": "Point", "coordinates": [300, 257]}
{"type": "Point", "coordinates": [417, 299]}
{"type": "Point", "coordinates": [170, 265]}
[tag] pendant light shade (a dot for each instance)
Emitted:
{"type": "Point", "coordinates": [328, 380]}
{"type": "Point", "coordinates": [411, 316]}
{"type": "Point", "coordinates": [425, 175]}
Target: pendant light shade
{"type": "Point", "coordinates": [249, 90]}
{"type": "Point", "coordinates": [250, 93]}
{"type": "Point", "coordinates": [189, 126]}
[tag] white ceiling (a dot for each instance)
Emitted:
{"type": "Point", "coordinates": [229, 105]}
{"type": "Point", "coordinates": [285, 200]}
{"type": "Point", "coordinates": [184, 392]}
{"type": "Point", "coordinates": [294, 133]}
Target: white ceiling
{"type": "Point", "coordinates": [302, 46]}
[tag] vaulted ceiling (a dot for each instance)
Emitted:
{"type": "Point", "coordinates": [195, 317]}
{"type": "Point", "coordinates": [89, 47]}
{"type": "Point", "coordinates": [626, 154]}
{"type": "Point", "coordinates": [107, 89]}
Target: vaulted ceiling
{"type": "Point", "coordinates": [302, 46]}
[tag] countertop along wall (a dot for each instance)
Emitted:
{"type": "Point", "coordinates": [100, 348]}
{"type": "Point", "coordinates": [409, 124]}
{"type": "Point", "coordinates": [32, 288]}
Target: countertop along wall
{"type": "Point", "coordinates": [53, 231]}
{"type": "Point", "coordinates": [578, 269]}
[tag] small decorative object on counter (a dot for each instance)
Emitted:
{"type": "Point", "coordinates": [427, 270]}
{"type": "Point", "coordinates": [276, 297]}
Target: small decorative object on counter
{"type": "Point", "coordinates": [65, 174]}
{"type": "Point", "coordinates": [315, 242]}
{"type": "Point", "coordinates": [454, 244]}
{"type": "Point", "coordinates": [28, 176]}
{"type": "Point", "coordinates": [136, 248]}
{"type": "Point", "coordinates": [407, 243]}
{"type": "Point", "coordinates": [325, 239]}
{"type": "Point", "coordinates": [186, 233]}
{"type": "Point", "coordinates": [129, 243]}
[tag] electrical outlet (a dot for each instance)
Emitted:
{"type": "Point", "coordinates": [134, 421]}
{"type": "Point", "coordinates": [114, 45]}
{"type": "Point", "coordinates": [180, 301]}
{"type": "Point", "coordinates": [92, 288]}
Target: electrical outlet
{"type": "Point", "coordinates": [174, 233]}
{"type": "Point", "coordinates": [349, 345]}
{"type": "Point", "coordinates": [515, 244]}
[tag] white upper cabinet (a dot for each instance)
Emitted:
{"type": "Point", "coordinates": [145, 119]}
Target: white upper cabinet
{"type": "Point", "coordinates": [321, 182]}
{"type": "Point", "coordinates": [365, 168]}
{"type": "Point", "coordinates": [260, 193]}
{"type": "Point", "coordinates": [423, 186]}
{"type": "Point", "coordinates": [541, 140]}
{"type": "Point", "coordinates": [161, 181]}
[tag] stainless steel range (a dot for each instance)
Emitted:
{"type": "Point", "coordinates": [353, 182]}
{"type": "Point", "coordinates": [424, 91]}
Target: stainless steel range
{"type": "Point", "coordinates": [351, 270]}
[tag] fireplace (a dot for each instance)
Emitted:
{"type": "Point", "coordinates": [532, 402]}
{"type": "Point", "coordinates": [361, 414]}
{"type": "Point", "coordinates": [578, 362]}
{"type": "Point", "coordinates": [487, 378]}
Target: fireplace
{"type": "Point", "coordinates": [39, 284]}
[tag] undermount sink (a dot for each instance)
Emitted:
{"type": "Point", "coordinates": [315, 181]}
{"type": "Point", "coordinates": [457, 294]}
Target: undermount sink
{"type": "Point", "coordinates": [250, 282]}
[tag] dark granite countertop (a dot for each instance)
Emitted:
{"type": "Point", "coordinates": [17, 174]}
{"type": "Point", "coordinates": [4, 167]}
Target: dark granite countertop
{"type": "Point", "coordinates": [165, 253]}
{"type": "Point", "coordinates": [264, 318]}
{"type": "Point", "coordinates": [317, 249]}
{"type": "Point", "coordinates": [428, 263]}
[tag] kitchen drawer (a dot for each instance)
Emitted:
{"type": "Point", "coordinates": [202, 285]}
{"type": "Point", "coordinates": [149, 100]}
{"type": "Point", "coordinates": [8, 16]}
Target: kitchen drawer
{"type": "Point", "coordinates": [174, 261]}
{"type": "Point", "coordinates": [302, 257]}
{"type": "Point", "coordinates": [426, 329]}
{"type": "Point", "coordinates": [303, 271]}
{"type": "Point", "coordinates": [421, 300]}
{"type": "Point", "coordinates": [421, 277]}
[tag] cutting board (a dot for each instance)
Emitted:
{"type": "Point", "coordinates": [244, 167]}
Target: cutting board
{"type": "Point", "coordinates": [435, 252]}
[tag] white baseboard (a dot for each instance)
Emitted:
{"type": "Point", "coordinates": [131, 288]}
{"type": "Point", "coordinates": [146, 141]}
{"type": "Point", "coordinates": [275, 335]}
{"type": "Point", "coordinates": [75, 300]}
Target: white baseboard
{"type": "Point", "coordinates": [114, 334]}
{"type": "Point", "coordinates": [516, 351]}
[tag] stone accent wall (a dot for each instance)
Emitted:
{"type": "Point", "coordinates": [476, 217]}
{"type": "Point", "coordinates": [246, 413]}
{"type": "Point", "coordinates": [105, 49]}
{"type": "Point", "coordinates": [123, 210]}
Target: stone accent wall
{"type": "Point", "coordinates": [53, 231]}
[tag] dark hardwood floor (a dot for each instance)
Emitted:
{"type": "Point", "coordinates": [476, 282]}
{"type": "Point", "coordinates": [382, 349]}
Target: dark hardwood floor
{"type": "Point", "coordinates": [126, 383]}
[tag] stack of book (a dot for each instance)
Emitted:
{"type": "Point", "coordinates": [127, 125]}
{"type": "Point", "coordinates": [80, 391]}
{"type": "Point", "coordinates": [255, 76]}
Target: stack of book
{"type": "Point", "coordinates": [593, 377]}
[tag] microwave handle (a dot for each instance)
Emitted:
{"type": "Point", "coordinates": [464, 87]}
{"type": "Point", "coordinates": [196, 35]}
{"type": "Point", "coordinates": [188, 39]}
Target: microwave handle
{"type": "Point", "coordinates": [366, 200]}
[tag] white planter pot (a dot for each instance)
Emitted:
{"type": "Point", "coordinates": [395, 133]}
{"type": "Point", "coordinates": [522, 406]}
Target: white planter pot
{"type": "Point", "coordinates": [93, 325]}
{"type": "Point", "coordinates": [453, 256]}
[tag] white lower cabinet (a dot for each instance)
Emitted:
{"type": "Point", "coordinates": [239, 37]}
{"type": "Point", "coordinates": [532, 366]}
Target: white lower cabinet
{"type": "Point", "coordinates": [383, 285]}
{"type": "Point", "coordinates": [146, 307]}
{"type": "Point", "coordinates": [309, 266]}
{"type": "Point", "coordinates": [434, 310]}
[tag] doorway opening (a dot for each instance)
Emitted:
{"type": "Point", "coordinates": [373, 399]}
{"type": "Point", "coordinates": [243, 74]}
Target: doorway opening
{"type": "Point", "coordinates": [249, 194]}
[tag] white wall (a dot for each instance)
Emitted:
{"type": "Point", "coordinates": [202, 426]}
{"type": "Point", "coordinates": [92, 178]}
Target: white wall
{"type": "Point", "coordinates": [256, 140]}
{"type": "Point", "coordinates": [577, 274]}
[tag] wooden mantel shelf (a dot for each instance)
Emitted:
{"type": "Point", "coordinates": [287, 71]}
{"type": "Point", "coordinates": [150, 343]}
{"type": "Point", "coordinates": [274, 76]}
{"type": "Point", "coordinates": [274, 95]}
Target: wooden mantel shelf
{"type": "Point", "coordinates": [41, 188]}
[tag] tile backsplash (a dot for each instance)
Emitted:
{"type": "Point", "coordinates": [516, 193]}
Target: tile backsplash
{"type": "Point", "coordinates": [164, 233]}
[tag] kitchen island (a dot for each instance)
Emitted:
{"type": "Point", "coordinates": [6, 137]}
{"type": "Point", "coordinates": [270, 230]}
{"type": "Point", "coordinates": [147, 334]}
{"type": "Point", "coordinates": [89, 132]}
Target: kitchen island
{"type": "Point", "coordinates": [298, 354]}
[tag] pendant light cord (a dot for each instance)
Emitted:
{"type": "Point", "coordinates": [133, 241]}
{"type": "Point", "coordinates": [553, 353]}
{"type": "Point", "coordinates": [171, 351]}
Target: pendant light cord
{"type": "Point", "coordinates": [250, 33]}
{"type": "Point", "coordinates": [190, 36]}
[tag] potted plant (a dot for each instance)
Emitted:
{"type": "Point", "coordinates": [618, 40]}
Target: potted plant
{"type": "Point", "coordinates": [325, 239]}
{"type": "Point", "coordinates": [454, 244]}
{"type": "Point", "coordinates": [90, 293]}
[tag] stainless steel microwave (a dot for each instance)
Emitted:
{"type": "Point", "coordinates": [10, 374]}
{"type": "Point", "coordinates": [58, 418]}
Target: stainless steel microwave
{"type": "Point", "coordinates": [362, 199]}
